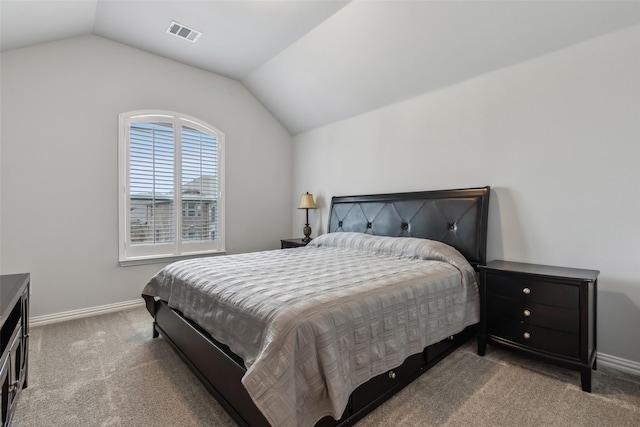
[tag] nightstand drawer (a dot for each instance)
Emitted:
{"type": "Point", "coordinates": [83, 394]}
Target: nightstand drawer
{"type": "Point", "coordinates": [546, 316]}
{"type": "Point", "coordinates": [533, 291]}
{"type": "Point", "coordinates": [549, 340]}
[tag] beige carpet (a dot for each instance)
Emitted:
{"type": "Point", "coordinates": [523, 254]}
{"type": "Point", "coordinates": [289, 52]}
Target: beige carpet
{"type": "Point", "coordinates": [108, 371]}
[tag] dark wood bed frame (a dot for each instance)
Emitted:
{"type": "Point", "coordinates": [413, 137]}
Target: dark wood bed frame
{"type": "Point", "coordinates": [456, 217]}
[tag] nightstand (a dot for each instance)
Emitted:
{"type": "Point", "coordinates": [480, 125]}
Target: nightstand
{"type": "Point", "coordinates": [542, 311]}
{"type": "Point", "coordinates": [292, 243]}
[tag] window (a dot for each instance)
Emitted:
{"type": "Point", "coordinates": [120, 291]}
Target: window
{"type": "Point", "coordinates": [171, 180]}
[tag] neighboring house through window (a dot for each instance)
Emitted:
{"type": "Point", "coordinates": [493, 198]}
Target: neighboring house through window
{"type": "Point", "coordinates": [171, 185]}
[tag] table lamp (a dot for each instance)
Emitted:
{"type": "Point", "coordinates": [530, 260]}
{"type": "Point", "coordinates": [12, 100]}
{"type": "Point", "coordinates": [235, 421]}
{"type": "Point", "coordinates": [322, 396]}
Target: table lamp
{"type": "Point", "coordinates": [307, 203]}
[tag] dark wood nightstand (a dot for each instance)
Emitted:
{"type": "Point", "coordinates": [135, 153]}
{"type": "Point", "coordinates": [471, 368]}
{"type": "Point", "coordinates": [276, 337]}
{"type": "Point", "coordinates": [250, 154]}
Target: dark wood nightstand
{"type": "Point", "coordinates": [292, 243]}
{"type": "Point", "coordinates": [542, 311]}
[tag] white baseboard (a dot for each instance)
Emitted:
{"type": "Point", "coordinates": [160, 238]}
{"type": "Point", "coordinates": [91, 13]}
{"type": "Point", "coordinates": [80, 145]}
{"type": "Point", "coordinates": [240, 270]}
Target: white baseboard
{"type": "Point", "coordinates": [84, 312]}
{"type": "Point", "coordinates": [619, 363]}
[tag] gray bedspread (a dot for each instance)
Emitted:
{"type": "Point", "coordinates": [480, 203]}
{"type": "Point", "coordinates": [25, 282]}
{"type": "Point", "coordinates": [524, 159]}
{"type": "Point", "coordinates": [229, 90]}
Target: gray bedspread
{"type": "Point", "coordinates": [314, 323]}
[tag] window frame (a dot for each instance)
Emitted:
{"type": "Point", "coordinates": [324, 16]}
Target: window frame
{"type": "Point", "coordinates": [129, 254]}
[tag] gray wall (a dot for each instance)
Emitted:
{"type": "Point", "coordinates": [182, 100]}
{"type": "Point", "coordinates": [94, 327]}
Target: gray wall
{"type": "Point", "coordinates": [557, 138]}
{"type": "Point", "coordinates": [58, 205]}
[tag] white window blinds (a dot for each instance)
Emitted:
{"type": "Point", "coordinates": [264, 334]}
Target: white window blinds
{"type": "Point", "coordinates": [172, 179]}
{"type": "Point", "coordinates": [199, 185]}
{"type": "Point", "coordinates": [151, 183]}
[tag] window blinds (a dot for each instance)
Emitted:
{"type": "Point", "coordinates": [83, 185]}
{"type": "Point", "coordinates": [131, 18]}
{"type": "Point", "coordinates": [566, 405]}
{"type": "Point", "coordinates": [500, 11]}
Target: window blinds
{"type": "Point", "coordinates": [152, 184]}
{"type": "Point", "coordinates": [171, 171]}
{"type": "Point", "coordinates": [199, 165]}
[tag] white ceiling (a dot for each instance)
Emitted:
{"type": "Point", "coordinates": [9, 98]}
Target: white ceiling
{"type": "Point", "coordinates": [312, 62]}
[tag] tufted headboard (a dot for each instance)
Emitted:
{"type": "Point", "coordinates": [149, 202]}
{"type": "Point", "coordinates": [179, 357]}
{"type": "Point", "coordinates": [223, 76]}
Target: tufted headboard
{"type": "Point", "coordinates": [456, 217]}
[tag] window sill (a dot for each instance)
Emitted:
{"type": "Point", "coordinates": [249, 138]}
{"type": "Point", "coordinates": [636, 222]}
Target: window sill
{"type": "Point", "coordinates": [165, 259]}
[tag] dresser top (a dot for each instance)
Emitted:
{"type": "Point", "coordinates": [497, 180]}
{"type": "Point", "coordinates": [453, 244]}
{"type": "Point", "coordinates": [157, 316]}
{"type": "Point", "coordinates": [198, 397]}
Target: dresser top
{"type": "Point", "coordinates": [542, 270]}
{"type": "Point", "coordinates": [11, 287]}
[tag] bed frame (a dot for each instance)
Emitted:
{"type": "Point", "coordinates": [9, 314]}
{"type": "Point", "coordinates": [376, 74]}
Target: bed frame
{"type": "Point", "coordinates": [456, 217]}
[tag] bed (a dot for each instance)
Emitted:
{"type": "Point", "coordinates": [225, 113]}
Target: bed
{"type": "Point", "coordinates": [329, 351]}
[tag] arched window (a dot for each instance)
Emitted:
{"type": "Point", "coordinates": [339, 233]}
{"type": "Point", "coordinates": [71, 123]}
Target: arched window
{"type": "Point", "coordinates": [171, 169]}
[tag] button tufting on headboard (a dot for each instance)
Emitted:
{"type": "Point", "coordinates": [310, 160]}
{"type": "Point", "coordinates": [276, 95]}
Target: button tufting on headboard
{"type": "Point", "coordinates": [456, 217]}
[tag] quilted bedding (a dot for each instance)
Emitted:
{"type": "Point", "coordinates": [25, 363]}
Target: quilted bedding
{"type": "Point", "coordinates": [314, 323]}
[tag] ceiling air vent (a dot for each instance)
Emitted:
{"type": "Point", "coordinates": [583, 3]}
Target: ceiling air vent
{"type": "Point", "coordinates": [183, 32]}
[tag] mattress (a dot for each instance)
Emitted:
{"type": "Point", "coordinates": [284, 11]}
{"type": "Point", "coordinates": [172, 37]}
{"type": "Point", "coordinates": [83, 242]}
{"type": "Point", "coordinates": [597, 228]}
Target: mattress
{"type": "Point", "coordinates": [314, 323]}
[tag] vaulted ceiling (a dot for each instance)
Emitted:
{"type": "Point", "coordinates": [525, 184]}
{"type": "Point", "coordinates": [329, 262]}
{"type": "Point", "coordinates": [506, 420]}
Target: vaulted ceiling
{"type": "Point", "coordinates": [315, 62]}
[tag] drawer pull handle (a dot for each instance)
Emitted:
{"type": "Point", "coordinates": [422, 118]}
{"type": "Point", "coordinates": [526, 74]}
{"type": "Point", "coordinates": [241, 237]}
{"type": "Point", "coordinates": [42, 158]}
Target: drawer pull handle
{"type": "Point", "coordinates": [392, 375]}
{"type": "Point", "coordinates": [526, 335]}
{"type": "Point", "coordinates": [526, 291]}
{"type": "Point", "coordinates": [527, 313]}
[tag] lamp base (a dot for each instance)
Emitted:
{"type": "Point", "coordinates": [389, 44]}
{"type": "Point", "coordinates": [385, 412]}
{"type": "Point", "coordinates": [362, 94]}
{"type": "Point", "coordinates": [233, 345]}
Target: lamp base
{"type": "Point", "coordinates": [307, 232]}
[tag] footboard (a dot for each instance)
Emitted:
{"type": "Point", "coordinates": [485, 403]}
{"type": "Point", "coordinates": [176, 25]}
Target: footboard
{"type": "Point", "coordinates": [221, 371]}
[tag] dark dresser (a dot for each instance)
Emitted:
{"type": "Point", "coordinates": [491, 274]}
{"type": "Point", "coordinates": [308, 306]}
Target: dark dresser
{"type": "Point", "coordinates": [14, 339]}
{"type": "Point", "coordinates": [542, 311]}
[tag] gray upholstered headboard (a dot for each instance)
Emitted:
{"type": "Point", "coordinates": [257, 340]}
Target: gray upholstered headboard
{"type": "Point", "coordinates": [456, 217]}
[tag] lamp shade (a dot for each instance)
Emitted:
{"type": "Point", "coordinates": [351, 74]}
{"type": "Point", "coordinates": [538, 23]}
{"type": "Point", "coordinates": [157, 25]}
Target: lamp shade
{"type": "Point", "coordinates": [307, 202]}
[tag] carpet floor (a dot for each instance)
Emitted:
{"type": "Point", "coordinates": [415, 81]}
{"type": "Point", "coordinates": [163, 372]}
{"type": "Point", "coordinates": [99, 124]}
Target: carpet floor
{"type": "Point", "coordinates": [107, 371]}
